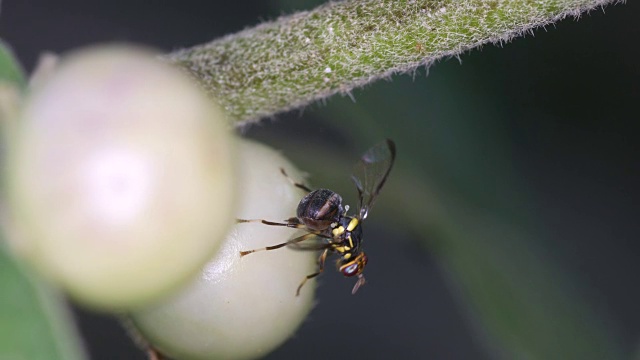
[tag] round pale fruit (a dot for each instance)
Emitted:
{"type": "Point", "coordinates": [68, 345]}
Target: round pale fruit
{"type": "Point", "coordinates": [120, 177]}
{"type": "Point", "coordinates": [241, 307]}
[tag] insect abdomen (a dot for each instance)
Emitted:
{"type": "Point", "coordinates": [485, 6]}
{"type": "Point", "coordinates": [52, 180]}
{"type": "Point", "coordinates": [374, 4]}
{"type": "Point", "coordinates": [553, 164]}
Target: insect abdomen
{"type": "Point", "coordinates": [319, 209]}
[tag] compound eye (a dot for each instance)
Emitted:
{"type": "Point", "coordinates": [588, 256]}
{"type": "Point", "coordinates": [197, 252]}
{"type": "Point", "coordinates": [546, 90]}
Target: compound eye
{"type": "Point", "coordinates": [350, 269]}
{"type": "Point", "coordinates": [354, 267]}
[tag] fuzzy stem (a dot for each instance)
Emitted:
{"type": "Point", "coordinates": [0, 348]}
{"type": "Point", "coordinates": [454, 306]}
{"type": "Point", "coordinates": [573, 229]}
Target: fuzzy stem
{"type": "Point", "coordinates": [300, 58]}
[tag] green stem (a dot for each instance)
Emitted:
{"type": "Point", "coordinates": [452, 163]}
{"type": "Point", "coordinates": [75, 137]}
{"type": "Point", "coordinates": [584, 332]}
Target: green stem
{"type": "Point", "coordinates": [300, 58]}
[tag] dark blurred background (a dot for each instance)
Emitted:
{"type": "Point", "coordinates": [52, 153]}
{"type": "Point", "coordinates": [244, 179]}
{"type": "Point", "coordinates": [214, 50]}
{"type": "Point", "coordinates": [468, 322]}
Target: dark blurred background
{"type": "Point", "coordinates": [508, 228]}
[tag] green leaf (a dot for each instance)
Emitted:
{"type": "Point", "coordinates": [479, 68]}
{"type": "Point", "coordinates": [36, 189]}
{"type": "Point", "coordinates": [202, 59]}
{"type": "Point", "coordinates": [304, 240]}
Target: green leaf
{"type": "Point", "coordinates": [10, 69]}
{"type": "Point", "coordinates": [36, 323]}
{"type": "Point", "coordinates": [341, 45]}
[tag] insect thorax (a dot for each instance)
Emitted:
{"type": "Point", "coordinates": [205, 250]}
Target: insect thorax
{"type": "Point", "coordinates": [347, 236]}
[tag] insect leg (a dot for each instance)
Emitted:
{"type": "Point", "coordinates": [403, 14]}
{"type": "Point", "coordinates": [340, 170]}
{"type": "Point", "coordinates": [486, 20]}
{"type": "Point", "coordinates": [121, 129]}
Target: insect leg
{"type": "Point", "coordinates": [278, 246]}
{"type": "Point", "coordinates": [291, 222]}
{"type": "Point", "coordinates": [295, 183]}
{"type": "Point", "coordinates": [153, 354]}
{"type": "Point", "coordinates": [321, 261]}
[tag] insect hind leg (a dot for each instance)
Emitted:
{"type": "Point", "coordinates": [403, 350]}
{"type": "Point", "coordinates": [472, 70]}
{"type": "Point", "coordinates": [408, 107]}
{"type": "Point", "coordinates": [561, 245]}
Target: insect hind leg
{"type": "Point", "coordinates": [295, 183]}
{"type": "Point", "coordinates": [290, 222]}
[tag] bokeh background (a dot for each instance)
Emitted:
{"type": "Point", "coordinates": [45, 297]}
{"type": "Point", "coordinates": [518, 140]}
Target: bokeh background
{"type": "Point", "coordinates": [508, 228]}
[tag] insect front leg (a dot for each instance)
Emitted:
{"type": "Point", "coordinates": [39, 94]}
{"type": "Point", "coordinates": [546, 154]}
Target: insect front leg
{"type": "Point", "coordinates": [321, 261]}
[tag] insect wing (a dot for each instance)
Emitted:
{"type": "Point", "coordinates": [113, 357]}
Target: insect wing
{"type": "Point", "coordinates": [371, 172]}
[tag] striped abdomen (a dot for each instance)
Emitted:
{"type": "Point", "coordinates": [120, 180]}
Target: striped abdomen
{"type": "Point", "coordinates": [319, 209]}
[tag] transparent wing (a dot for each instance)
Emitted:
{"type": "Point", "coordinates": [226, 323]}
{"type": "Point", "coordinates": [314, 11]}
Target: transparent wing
{"type": "Point", "coordinates": [371, 172]}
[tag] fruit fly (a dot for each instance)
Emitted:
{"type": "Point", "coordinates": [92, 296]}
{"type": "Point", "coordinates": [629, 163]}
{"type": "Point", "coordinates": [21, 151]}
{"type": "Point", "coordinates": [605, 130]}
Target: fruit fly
{"type": "Point", "coordinates": [323, 216]}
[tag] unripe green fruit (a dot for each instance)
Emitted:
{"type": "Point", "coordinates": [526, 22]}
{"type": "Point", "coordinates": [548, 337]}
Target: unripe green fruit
{"type": "Point", "coordinates": [120, 178]}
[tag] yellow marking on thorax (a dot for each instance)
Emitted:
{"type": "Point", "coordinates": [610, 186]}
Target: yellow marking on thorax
{"type": "Point", "coordinates": [337, 231]}
{"type": "Point", "coordinates": [350, 241]}
{"type": "Point", "coordinates": [342, 248]}
{"type": "Point", "coordinates": [346, 256]}
{"type": "Point", "coordinates": [352, 224]}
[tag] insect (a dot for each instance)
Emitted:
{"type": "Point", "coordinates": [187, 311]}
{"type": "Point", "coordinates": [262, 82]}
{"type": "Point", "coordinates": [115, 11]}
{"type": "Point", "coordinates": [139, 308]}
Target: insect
{"type": "Point", "coordinates": [323, 216]}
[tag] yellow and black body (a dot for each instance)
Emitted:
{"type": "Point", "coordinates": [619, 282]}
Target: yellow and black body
{"type": "Point", "coordinates": [322, 214]}
{"type": "Point", "coordinates": [347, 241]}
